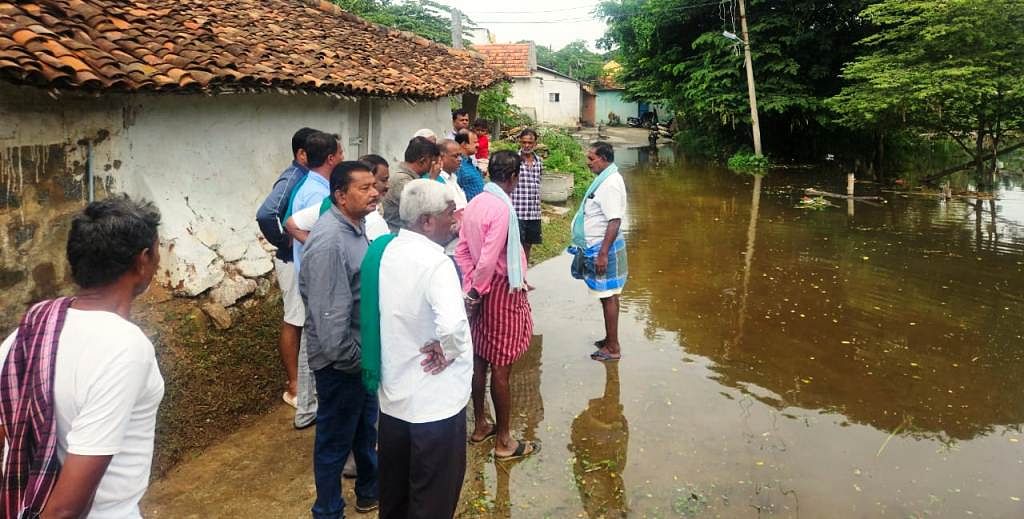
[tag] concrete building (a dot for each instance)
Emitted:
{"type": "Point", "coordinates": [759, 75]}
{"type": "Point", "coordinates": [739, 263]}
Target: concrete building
{"type": "Point", "coordinates": [192, 105]}
{"type": "Point", "coordinates": [611, 99]}
{"type": "Point", "coordinates": [547, 96]}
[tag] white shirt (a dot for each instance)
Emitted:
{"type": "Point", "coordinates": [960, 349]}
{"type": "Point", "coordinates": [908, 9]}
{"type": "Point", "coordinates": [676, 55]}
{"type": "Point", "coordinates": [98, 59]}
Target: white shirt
{"type": "Point", "coordinates": [421, 301]}
{"type": "Point", "coordinates": [451, 181]}
{"type": "Point", "coordinates": [374, 223]}
{"type": "Point", "coordinates": [107, 388]}
{"type": "Point", "coordinates": [608, 203]}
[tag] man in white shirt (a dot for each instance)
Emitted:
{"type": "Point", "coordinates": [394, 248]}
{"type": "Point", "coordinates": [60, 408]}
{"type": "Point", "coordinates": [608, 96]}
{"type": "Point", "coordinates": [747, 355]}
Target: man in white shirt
{"type": "Point", "coordinates": [426, 362]}
{"type": "Point", "coordinates": [460, 121]}
{"type": "Point", "coordinates": [451, 158]}
{"type": "Point", "coordinates": [299, 224]}
{"type": "Point", "coordinates": [105, 382]}
{"type": "Point", "coordinates": [605, 266]}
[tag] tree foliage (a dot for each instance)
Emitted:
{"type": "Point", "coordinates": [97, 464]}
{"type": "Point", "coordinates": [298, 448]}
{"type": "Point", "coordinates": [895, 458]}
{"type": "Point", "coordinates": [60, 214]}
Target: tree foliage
{"type": "Point", "coordinates": [494, 106]}
{"type": "Point", "coordinates": [574, 60]}
{"type": "Point", "coordinates": [427, 18]}
{"type": "Point", "coordinates": [952, 67]}
{"type": "Point", "coordinates": [673, 52]}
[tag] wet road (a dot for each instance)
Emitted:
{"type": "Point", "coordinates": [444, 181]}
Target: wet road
{"type": "Point", "coordinates": [777, 362]}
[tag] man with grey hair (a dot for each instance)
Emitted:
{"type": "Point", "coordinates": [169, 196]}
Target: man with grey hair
{"type": "Point", "coordinates": [417, 355]}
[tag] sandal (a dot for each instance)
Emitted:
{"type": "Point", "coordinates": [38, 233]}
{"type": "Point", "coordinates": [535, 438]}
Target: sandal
{"type": "Point", "coordinates": [521, 451]}
{"type": "Point", "coordinates": [601, 356]}
{"type": "Point", "coordinates": [290, 399]}
{"type": "Point", "coordinates": [493, 432]}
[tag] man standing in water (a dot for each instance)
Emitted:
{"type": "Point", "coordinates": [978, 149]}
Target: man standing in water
{"type": "Point", "coordinates": [598, 246]}
{"type": "Point", "coordinates": [493, 266]}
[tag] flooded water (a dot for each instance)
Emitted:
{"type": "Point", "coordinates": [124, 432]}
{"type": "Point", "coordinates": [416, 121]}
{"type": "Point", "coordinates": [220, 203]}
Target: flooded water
{"type": "Point", "coordinates": [852, 362]}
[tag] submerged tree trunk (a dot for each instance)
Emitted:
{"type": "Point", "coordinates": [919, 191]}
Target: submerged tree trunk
{"type": "Point", "coordinates": [979, 157]}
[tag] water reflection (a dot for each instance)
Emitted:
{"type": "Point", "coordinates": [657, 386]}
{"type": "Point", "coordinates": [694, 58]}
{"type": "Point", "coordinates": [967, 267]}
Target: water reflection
{"type": "Point", "coordinates": [600, 440]}
{"type": "Point", "coordinates": [905, 316]}
{"type": "Point", "coordinates": [527, 414]}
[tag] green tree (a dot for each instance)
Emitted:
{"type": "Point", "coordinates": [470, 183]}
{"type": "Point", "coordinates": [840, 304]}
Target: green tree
{"type": "Point", "coordinates": [574, 60]}
{"type": "Point", "coordinates": [950, 67]}
{"type": "Point", "coordinates": [427, 18]}
{"type": "Point", "coordinates": [495, 107]}
{"type": "Point", "coordinates": [673, 52]}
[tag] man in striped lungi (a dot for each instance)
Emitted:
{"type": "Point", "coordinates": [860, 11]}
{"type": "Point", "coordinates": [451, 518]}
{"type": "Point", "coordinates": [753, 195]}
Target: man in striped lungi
{"type": "Point", "coordinates": [493, 265]}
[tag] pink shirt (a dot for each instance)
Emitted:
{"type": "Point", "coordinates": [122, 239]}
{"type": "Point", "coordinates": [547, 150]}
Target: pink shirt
{"type": "Point", "coordinates": [481, 252]}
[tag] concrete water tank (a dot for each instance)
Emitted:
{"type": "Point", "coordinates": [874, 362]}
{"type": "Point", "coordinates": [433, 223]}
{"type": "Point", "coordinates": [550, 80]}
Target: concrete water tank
{"type": "Point", "coordinates": [555, 187]}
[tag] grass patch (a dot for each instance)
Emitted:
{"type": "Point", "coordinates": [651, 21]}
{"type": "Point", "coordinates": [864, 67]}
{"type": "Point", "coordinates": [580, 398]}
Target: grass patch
{"type": "Point", "coordinates": [557, 233]}
{"type": "Point", "coordinates": [748, 163]}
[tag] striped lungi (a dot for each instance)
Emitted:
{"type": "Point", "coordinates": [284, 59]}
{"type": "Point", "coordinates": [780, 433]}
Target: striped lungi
{"type": "Point", "coordinates": [503, 325]}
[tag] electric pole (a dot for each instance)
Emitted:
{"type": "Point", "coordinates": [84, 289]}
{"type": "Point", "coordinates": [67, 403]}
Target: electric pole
{"type": "Point", "coordinates": [456, 29]}
{"type": "Point", "coordinates": [470, 100]}
{"type": "Point", "coordinates": [751, 93]}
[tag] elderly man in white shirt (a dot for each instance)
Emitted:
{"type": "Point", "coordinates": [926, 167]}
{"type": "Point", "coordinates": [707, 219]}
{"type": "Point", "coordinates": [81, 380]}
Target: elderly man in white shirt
{"type": "Point", "coordinates": [426, 358]}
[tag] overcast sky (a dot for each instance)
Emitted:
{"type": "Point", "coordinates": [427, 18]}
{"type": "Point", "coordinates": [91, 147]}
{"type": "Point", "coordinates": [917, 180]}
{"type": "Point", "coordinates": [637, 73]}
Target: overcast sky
{"type": "Point", "coordinates": [546, 22]}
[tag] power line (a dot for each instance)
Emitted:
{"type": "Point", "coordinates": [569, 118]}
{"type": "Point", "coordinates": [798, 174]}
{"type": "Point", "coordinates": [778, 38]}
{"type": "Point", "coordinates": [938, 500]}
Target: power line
{"type": "Point", "coordinates": [531, 22]}
{"type": "Point", "coordinates": [584, 6]}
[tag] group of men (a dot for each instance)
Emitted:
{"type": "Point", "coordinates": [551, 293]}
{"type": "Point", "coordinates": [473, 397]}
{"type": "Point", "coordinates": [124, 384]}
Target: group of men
{"type": "Point", "coordinates": [394, 314]}
{"type": "Point", "coordinates": [404, 289]}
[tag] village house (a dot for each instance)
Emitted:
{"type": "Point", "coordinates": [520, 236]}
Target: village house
{"type": "Point", "coordinates": [547, 96]}
{"type": "Point", "coordinates": [192, 104]}
{"type": "Point", "coordinates": [612, 105]}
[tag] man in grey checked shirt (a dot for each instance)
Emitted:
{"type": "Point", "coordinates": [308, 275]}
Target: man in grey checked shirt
{"type": "Point", "coordinates": [526, 196]}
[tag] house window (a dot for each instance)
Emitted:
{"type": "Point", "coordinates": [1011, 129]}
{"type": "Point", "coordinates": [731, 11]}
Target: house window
{"type": "Point", "coordinates": [553, 97]}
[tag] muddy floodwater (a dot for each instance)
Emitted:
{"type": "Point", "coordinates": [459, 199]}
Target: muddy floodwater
{"type": "Point", "coordinates": [862, 361]}
{"type": "Point", "coordinates": [779, 361]}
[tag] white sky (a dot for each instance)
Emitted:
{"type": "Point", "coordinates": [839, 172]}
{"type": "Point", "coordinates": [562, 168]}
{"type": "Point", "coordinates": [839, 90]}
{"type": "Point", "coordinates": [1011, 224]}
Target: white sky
{"type": "Point", "coordinates": [547, 22]}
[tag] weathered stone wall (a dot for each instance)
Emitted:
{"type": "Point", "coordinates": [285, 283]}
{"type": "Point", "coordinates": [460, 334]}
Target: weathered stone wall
{"type": "Point", "coordinates": [43, 179]}
{"type": "Point", "coordinates": [206, 161]}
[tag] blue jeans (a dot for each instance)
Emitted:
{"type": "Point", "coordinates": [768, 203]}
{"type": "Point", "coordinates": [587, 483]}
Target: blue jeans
{"type": "Point", "coordinates": [346, 420]}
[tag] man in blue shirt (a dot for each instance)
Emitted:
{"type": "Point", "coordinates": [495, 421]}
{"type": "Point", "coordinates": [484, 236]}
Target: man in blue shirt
{"type": "Point", "coordinates": [270, 218]}
{"type": "Point", "coordinates": [471, 179]}
{"type": "Point", "coordinates": [323, 152]}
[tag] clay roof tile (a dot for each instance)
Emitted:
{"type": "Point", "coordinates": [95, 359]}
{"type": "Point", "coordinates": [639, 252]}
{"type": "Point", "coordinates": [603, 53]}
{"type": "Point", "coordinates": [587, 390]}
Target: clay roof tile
{"type": "Point", "coordinates": [165, 45]}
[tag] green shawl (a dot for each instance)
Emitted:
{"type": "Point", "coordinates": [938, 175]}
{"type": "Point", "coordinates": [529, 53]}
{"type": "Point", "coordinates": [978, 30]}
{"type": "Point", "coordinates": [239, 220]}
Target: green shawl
{"type": "Point", "coordinates": [369, 311]}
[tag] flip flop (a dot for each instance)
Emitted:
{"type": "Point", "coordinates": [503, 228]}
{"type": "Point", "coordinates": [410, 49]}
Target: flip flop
{"type": "Point", "coordinates": [601, 356]}
{"type": "Point", "coordinates": [290, 399]}
{"type": "Point", "coordinates": [520, 451]}
{"type": "Point", "coordinates": [493, 432]}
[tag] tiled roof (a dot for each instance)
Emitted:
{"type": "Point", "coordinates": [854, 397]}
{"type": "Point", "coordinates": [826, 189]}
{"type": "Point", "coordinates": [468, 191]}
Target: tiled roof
{"type": "Point", "coordinates": [225, 45]}
{"type": "Point", "coordinates": [513, 58]}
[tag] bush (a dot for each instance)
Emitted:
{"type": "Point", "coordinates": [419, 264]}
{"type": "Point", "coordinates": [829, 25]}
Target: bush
{"type": "Point", "coordinates": [567, 155]}
{"type": "Point", "coordinates": [746, 162]}
{"type": "Point", "coordinates": [560, 152]}
{"type": "Point", "coordinates": [494, 106]}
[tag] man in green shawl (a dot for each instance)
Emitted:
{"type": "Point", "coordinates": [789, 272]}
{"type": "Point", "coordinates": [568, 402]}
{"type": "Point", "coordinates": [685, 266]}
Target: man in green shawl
{"type": "Point", "coordinates": [417, 349]}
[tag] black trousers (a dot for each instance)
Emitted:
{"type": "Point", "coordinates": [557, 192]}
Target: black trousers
{"type": "Point", "coordinates": [422, 466]}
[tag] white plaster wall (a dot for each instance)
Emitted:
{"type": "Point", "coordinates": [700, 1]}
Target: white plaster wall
{"type": "Point", "coordinates": [394, 122]}
{"type": "Point", "coordinates": [526, 95]}
{"type": "Point", "coordinates": [565, 112]}
{"type": "Point", "coordinates": [531, 94]}
{"type": "Point", "coordinates": [206, 161]}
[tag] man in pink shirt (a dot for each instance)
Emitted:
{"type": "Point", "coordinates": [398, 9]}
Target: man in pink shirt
{"type": "Point", "coordinates": [493, 264]}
